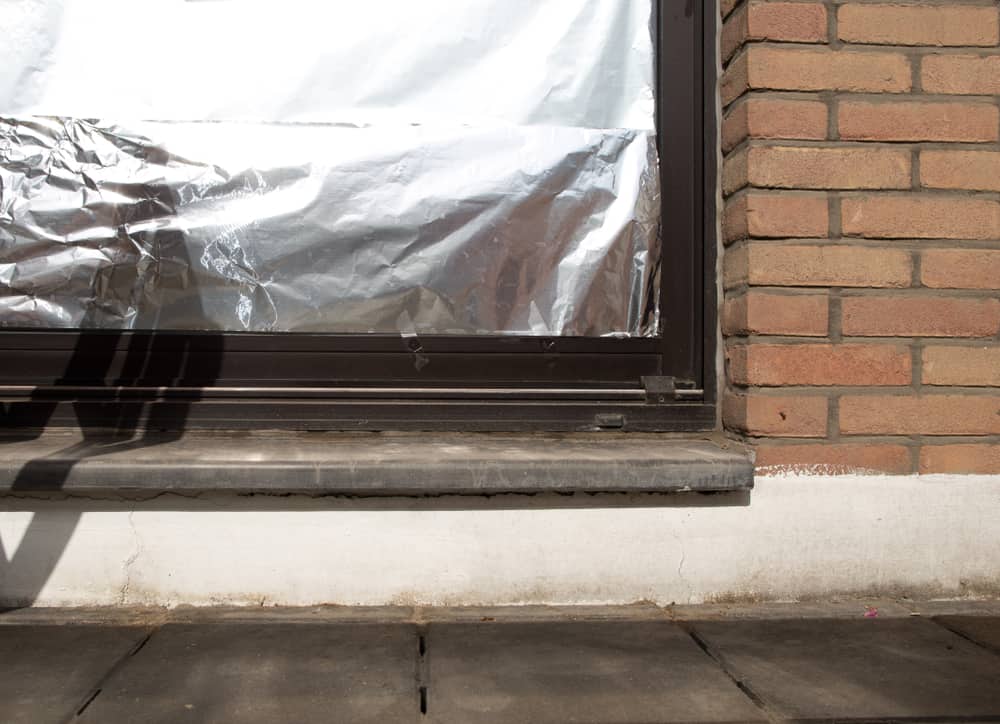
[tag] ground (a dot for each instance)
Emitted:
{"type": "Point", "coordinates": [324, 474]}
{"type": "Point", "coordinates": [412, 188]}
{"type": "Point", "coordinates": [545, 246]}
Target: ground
{"type": "Point", "coordinates": [851, 661]}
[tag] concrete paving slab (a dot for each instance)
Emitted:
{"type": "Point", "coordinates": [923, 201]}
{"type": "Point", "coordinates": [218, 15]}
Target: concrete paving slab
{"type": "Point", "coordinates": [983, 630]}
{"type": "Point", "coordinates": [605, 672]}
{"type": "Point", "coordinates": [48, 672]}
{"type": "Point", "coordinates": [858, 670]}
{"type": "Point", "coordinates": [251, 673]}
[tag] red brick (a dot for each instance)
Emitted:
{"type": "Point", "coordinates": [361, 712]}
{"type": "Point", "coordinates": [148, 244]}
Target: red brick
{"type": "Point", "coordinates": [734, 34]}
{"type": "Point", "coordinates": [800, 416]}
{"type": "Point", "coordinates": [727, 6]}
{"type": "Point", "coordinates": [920, 216]}
{"type": "Point", "coordinates": [961, 268]}
{"type": "Point", "coordinates": [800, 22]}
{"type": "Point", "coordinates": [961, 74]}
{"type": "Point", "coordinates": [775, 365]}
{"type": "Point", "coordinates": [965, 459]}
{"type": "Point", "coordinates": [736, 125]}
{"type": "Point", "coordinates": [736, 363]}
{"type": "Point", "coordinates": [827, 266]}
{"type": "Point", "coordinates": [776, 215]}
{"type": "Point", "coordinates": [795, 315]}
{"type": "Point", "coordinates": [735, 80]}
{"type": "Point", "coordinates": [770, 117]}
{"type": "Point", "coordinates": [735, 312]}
{"type": "Point", "coordinates": [787, 215]}
{"type": "Point", "coordinates": [962, 366]}
{"type": "Point", "coordinates": [734, 172]}
{"type": "Point", "coordinates": [734, 267]}
{"type": "Point", "coordinates": [734, 219]}
{"type": "Point", "coordinates": [803, 22]}
{"type": "Point", "coordinates": [914, 24]}
{"type": "Point", "coordinates": [833, 459]}
{"type": "Point", "coordinates": [793, 167]}
{"type": "Point", "coordinates": [920, 316]}
{"type": "Point", "coordinates": [970, 170]}
{"type": "Point", "coordinates": [923, 415]}
{"type": "Point", "coordinates": [816, 69]}
{"type": "Point", "coordinates": [918, 121]}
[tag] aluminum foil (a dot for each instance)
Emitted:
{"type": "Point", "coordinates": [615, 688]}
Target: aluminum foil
{"type": "Point", "coordinates": [587, 63]}
{"type": "Point", "coordinates": [491, 170]}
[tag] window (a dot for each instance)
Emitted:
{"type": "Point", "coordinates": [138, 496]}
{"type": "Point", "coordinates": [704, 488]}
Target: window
{"type": "Point", "coordinates": [476, 262]}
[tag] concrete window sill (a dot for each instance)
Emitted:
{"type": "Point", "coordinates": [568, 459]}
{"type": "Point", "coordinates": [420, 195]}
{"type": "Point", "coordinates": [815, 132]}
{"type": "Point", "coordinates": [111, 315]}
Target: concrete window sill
{"type": "Point", "coordinates": [369, 464]}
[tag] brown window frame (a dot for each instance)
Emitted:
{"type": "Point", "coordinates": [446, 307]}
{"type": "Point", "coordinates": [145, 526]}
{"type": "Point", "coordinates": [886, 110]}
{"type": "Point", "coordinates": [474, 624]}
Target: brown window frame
{"type": "Point", "coordinates": [115, 380]}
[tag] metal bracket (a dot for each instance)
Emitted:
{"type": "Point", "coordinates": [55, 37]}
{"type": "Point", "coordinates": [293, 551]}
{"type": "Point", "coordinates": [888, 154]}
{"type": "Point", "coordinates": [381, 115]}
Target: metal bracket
{"type": "Point", "coordinates": [665, 390]}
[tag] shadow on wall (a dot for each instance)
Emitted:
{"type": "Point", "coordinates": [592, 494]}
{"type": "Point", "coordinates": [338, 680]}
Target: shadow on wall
{"type": "Point", "coordinates": [106, 359]}
{"type": "Point", "coordinates": [115, 359]}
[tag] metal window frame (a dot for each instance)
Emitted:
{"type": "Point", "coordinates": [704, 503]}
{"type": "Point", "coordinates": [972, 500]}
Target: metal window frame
{"type": "Point", "coordinates": [368, 382]}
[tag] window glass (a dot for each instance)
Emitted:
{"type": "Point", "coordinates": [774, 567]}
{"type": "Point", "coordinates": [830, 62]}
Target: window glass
{"type": "Point", "coordinates": [478, 168]}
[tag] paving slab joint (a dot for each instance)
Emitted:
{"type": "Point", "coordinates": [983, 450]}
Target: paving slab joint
{"type": "Point", "coordinates": [962, 634]}
{"type": "Point", "coordinates": [423, 669]}
{"type": "Point", "coordinates": [98, 687]}
{"type": "Point", "coordinates": [742, 685]}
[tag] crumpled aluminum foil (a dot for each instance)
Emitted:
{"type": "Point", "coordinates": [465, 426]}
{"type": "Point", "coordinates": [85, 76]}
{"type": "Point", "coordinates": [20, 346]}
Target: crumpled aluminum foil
{"type": "Point", "coordinates": [526, 230]}
{"type": "Point", "coordinates": [415, 193]}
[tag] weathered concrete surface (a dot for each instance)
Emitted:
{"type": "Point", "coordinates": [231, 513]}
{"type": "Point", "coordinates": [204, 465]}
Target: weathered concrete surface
{"type": "Point", "coordinates": [265, 673]}
{"type": "Point", "coordinates": [600, 672]}
{"type": "Point", "coordinates": [860, 669]}
{"type": "Point", "coordinates": [369, 464]}
{"type": "Point", "coordinates": [796, 538]}
{"type": "Point", "coordinates": [47, 672]}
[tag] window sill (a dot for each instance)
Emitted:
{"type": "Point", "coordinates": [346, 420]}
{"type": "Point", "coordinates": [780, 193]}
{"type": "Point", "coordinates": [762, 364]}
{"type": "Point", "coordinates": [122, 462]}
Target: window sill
{"type": "Point", "coordinates": [361, 464]}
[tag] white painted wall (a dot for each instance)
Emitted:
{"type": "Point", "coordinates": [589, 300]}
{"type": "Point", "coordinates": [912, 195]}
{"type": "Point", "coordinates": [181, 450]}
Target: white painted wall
{"type": "Point", "coordinates": [800, 537]}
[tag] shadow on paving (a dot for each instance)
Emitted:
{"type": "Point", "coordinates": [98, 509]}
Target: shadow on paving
{"type": "Point", "coordinates": [313, 668]}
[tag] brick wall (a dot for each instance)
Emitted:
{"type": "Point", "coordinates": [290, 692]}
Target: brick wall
{"type": "Point", "coordinates": [862, 232]}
